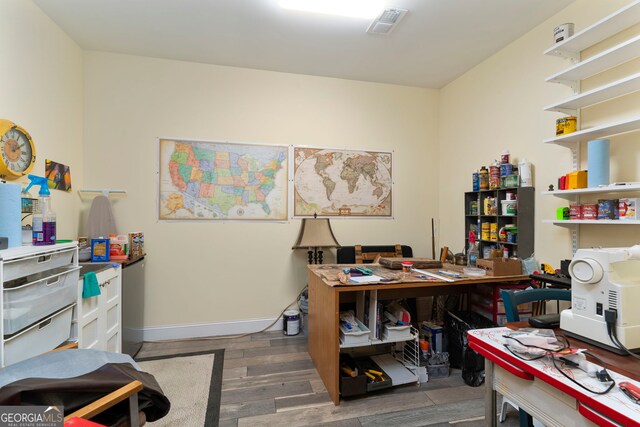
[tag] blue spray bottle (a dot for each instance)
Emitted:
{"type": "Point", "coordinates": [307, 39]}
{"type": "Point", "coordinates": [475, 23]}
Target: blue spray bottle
{"type": "Point", "coordinates": [44, 219]}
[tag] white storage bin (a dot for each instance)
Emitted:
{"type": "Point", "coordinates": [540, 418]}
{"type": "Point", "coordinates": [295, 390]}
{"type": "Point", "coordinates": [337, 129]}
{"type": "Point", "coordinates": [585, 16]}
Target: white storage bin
{"type": "Point", "coordinates": [41, 295]}
{"type": "Point", "coordinates": [21, 267]}
{"type": "Point", "coordinates": [40, 338]}
{"type": "Point", "coordinates": [393, 333]}
{"type": "Point", "coordinates": [354, 337]}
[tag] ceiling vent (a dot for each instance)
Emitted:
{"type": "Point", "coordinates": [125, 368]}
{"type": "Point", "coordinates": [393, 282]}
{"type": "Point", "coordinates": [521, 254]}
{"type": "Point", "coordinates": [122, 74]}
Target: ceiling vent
{"type": "Point", "coordinates": [387, 21]}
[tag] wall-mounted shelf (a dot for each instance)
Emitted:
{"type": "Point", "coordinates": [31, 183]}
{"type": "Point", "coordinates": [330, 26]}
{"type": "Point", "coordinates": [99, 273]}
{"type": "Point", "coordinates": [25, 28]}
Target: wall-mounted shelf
{"type": "Point", "coordinates": [573, 222]}
{"type": "Point", "coordinates": [92, 192]}
{"type": "Point", "coordinates": [602, 93]}
{"type": "Point", "coordinates": [603, 29]}
{"type": "Point", "coordinates": [621, 53]}
{"type": "Point", "coordinates": [570, 194]}
{"type": "Point", "coordinates": [601, 131]}
{"type": "Point", "coordinates": [604, 60]}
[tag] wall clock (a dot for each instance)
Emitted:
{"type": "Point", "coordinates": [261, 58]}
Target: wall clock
{"type": "Point", "coordinates": [17, 152]}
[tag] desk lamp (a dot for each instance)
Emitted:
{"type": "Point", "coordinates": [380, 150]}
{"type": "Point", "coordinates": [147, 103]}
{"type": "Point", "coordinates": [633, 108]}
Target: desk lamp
{"type": "Point", "coordinates": [315, 234]}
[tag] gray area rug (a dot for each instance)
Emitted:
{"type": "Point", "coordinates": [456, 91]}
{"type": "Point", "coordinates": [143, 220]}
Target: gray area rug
{"type": "Point", "coordinates": [193, 384]}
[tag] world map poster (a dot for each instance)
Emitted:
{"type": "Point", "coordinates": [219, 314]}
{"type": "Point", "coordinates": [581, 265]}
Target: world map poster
{"type": "Point", "coordinates": [222, 181]}
{"type": "Point", "coordinates": [331, 182]}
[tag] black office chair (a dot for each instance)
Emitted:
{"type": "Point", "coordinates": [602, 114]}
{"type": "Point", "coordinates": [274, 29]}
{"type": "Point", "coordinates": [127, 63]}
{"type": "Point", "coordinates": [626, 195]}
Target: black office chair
{"type": "Point", "coordinates": [512, 299]}
{"type": "Point", "coordinates": [359, 254]}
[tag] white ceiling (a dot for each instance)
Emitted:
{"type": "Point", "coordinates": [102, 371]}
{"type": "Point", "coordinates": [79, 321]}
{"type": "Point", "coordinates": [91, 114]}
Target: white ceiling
{"type": "Point", "coordinates": [437, 41]}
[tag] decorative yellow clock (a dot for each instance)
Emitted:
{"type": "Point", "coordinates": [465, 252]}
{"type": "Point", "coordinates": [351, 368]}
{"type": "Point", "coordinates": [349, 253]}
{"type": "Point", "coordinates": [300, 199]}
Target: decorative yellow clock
{"type": "Point", "coordinates": [17, 152]}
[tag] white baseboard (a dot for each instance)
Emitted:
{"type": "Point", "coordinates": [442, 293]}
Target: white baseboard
{"type": "Point", "coordinates": [174, 332]}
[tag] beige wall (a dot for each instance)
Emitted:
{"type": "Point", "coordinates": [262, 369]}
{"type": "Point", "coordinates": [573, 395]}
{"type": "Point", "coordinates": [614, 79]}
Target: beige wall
{"type": "Point", "coordinates": [223, 271]}
{"type": "Point", "coordinates": [41, 79]}
{"type": "Point", "coordinates": [215, 272]}
{"type": "Point", "coordinates": [499, 104]}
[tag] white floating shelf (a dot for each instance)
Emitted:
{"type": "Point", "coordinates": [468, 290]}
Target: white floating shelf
{"type": "Point", "coordinates": [601, 30]}
{"type": "Point", "coordinates": [573, 222]}
{"type": "Point", "coordinates": [603, 93]}
{"type": "Point", "coordinates": [604, 60]}
{"type": "Point", "coordinates": [570, 194]}
{"type": "Point", "coordinates": [602, 131]}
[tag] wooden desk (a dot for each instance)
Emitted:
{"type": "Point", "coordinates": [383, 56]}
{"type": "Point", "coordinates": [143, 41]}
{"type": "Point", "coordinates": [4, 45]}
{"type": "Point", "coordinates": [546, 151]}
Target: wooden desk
{"type": "Point", "coordinates": [538, 388]}
{"type": "Point", "coordinates": [326, 293]}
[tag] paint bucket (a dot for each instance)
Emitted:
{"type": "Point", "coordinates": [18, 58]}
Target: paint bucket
{"type": "Point", "coordinates": [562, 32]}
{"type": "Point", "coordinates": [291, 322]}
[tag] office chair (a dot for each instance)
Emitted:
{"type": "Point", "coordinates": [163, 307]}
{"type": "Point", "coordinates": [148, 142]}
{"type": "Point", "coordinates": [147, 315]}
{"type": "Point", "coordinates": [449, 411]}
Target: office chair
{"type": "Point", "coordinates": [512, 299]}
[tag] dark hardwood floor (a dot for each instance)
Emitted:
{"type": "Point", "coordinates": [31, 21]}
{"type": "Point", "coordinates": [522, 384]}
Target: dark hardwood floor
{"type": "Point", "coordinates": [269, 380]}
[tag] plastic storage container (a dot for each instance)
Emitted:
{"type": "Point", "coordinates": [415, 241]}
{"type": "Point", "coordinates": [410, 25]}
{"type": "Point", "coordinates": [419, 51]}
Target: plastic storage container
{"type": "Point", "coordinates": [40, 338]}
{"type": "Point", "coordinates": [29, 299]}
{"type": "Point", "coordinates": [395, 333]}
{"type": "Point", "coordinates": [21, 267]}
{"type": "Point", "coordinates": [438, 371]}
{"type": "Point", "coordinates": [360, 336]}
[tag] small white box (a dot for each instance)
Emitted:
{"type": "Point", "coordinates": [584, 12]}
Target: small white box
{"type": "Point", "coordinates": [40, 338]}
{"type": "Point", "coordinates": [628, 208]}
{"type": "Point", "coordinates": [349, 337]}
{"type": "Point", "coordinates": [393, 333]}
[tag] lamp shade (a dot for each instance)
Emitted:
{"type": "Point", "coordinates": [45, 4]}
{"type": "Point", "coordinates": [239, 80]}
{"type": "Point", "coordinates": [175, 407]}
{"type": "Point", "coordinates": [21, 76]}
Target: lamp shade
{"type": "Point", "coordinates": [316, 232]}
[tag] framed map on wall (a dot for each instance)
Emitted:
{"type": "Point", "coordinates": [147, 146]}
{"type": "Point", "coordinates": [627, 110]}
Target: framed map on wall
{"type": "Point", "coordinates": [352, 183]}
{"type": "Point", "coordinates": [200, 180]}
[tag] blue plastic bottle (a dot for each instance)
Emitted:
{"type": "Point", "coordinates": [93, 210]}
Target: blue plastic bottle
{"type": "Point", "coordinates": [44, 220]}
{"type": "Point", "coordinates": [476, 180]}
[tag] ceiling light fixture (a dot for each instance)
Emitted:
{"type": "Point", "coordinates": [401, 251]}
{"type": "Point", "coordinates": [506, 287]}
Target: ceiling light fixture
{"type": "Point", "coordinates": [366, 9]}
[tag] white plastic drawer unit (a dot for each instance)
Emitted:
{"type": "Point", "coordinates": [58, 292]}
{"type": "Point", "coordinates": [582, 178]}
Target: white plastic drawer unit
{"type": "Point", "coordinates": [39, 338]}
{"type": "Point", "coordinates": [31, 298]}
{"type": "Point", "coordinates": [20, 267]}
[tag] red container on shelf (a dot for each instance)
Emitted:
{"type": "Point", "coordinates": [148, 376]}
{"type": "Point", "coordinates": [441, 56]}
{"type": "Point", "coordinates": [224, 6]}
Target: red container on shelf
{"type": "Point", "coordinates": [575, 212]}
{"type": "Point", "coordinates": [589, 212]}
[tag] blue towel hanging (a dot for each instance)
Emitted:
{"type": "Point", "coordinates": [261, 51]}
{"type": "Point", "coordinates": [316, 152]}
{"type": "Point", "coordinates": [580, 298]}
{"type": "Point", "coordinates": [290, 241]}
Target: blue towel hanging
{"type": "Point", "coordinates": [90, 287]}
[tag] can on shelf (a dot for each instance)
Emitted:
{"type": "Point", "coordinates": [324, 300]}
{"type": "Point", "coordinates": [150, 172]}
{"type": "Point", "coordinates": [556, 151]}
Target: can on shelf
{"type": "Point", "coordinates": [566, 125]}
{"type": "Point", "coordinates": [563, 32]}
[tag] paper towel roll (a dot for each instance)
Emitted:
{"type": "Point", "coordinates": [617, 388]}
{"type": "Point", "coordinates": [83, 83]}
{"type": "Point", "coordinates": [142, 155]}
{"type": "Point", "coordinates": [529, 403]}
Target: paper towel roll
{"type": "Point", "coordinates": [598, 162]}
{"type": "Point", "coordinates": [10, 212]}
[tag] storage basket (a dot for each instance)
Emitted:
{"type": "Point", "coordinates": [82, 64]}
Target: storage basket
{"type": "Point", "coordinates": [39, 338]}
{"type": "Point", "coordinates": [27, 300]}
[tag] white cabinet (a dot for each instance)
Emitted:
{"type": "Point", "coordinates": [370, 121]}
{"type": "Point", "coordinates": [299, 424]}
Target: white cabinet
{"type": "Point", "coordinates": [99, 318]}
{"type": "Point", "coordinates": [622, 52]}
{"type": "Point", "coordinates": [37, 298]}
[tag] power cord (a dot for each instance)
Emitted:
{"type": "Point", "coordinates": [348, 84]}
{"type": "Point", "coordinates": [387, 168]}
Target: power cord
{"type": "Point", "coordinates": [610, 317]}
{"type": "Point", "coordinates": [221, 337]}
{"type": "Point", "coordinates": [602, 375]}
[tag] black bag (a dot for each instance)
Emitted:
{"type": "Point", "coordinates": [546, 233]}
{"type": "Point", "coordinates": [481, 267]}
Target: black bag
{"type": "Point", "coordinates": [461, 356]}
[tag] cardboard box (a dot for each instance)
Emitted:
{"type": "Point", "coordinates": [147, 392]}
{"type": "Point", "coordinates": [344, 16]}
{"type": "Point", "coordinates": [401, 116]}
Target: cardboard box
{"type": "Point", "coordinates": [577, 179]}
{"type": "Point", "coordinates": [628, 208]}
{"type": "Point", "coordinates": [608, 209]}
{"type": "Point", "coordinates": [500, 266]}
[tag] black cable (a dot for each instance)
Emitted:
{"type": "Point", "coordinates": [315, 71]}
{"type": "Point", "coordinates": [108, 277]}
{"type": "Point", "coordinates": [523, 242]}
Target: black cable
{"type": "Point", "coordinates": [602, 375]}
{"type": "Point", "coordinates": [607, 390]}
{"type": "Point", "coordinates": [610, 317]}
{"type": "Point", "coordinates": [564, 346]}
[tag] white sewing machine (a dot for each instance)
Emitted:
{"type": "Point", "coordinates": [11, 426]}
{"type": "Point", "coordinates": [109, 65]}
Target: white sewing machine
{"type": "Point", "coordinates": [605, 279]}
